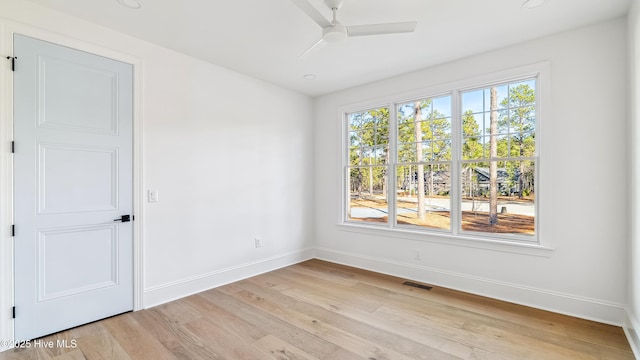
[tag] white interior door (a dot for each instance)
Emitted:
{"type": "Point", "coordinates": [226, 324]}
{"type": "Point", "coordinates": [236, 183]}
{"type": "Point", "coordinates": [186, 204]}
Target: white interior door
{"type": "Point", "coordinates": [73, 178]}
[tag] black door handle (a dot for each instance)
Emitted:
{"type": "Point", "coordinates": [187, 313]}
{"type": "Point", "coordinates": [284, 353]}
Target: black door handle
{"type": "Point", "coordinates": [124, 218]}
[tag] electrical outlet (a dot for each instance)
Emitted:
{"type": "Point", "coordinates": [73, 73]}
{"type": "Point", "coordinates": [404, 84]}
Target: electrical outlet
{"type": "Point", "coordinates": [258, 242]}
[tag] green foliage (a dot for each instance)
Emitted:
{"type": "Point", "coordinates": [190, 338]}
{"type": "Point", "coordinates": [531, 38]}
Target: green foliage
{"type": "Point", "coordinates": [471, 141]}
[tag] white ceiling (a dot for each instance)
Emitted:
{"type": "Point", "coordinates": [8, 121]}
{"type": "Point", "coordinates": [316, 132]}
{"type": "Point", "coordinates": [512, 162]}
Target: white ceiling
{"type": "Point", "coordinates": [264, 38]}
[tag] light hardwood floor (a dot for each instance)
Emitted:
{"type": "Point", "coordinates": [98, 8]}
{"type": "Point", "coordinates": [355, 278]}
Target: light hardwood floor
{"type": "Point", "coordinates": [320, 310]}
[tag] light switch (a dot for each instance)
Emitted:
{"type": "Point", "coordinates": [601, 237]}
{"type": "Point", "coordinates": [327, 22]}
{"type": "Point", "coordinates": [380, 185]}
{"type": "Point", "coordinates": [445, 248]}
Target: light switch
{"type": "Point", "coordinates": [152, 195]}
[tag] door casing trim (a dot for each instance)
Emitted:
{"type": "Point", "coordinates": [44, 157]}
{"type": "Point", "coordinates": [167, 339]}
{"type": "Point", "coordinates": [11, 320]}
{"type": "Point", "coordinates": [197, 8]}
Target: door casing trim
{"type": "Point", "coordinates": [7, 29]}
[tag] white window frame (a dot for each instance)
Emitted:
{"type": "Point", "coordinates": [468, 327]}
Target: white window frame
{"type": "Point", "coordinates": [538, 244]}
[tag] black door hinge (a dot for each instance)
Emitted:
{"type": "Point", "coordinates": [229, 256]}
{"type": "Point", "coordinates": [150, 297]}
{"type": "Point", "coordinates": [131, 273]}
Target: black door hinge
{"type": "Point", "coordinates": [13, 312]}
{"type": "Point", "coordinates": [13, 230]}
{"type": "Point", "coordinates": [13, 147]}
{"type": "Point", "coordinates": [13, 62]}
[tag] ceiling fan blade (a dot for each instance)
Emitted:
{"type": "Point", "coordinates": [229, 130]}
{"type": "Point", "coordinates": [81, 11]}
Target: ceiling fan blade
{"type": "Point", "coordinates": [313, 13]}
{"type": "Point", "coordinates": [314, 48]}
{"type": "Point", "coordinates": [380, 29]}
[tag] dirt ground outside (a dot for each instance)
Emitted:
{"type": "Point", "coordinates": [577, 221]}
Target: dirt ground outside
{"type": "Point", "coordinates": [477, 221]}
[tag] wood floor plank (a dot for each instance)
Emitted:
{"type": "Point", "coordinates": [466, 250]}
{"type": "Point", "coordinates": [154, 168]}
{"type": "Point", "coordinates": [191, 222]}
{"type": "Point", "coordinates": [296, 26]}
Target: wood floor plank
{"type": "Point", "coordinates": [232, 323]}
{"type": "Point", "coordinates": [315, 346]}
{"type": "Point", "coordinates": [226, 344]}
{"type": "Point", "coordinates": [282, 350]}
{"type": "Point", "coordinates": [99, 343]}
{"type": "Point", "coordinates": [72, 355]}
{"type": "Point", "coordinates": [326, 331]}
{"type": "Point", "coordinates": [336, 291]}
{"type": "Point", "coordinates": [318, 310]}
{"type": "Point", "coordinates": [474, 321]}
{"type": "Point", "coordinates": [173, 336]}
{"type": "Point", "coordinates": [135, 340]}
{"type": "Point", "coordinates": [344, 317]}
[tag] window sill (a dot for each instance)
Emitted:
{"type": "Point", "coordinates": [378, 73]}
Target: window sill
{"type": "Point", "coordinates": [453, 240]}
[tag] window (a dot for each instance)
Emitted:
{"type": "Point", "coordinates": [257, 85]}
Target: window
{"type": "Point", "coordinates": [368, 165]}
{"type": "Point", "coordinates": [463, 162]}
{"type": "Point", "coordinates": [424, 162]}
{"type": "Point", "coordinates": [498, 159]}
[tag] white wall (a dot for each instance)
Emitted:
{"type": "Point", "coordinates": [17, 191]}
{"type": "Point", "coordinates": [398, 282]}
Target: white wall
{"type": "Point", "coordinates": [230, 157]}
{"type": "Point", "coordinates": [632, 324]}
{"type": "Point", "coordinates": [585, 136]}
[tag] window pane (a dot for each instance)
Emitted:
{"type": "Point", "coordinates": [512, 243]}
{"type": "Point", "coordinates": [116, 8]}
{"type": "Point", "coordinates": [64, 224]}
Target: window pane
{"type": "Point", "coordinates": [424, 127]}
{"type": "Point", "coordinates": [380, 154]}
{"type": "Point", "coordinates": [436, 188]}
{"type": "Point", "coordinates": [381, 135]}
{"type": "Point", "coordinates": [521, 119]}
{"type": "Point", "coordinates": [514, 199]}
{"type": "Point", "coordinates": [407, 152]}
{"type": "Point", "coordinates": [355, 156]}
{"type": "Point", "coordinates": [441, 150]}
{"type": "Point", "coordinates": [473, 102]}
{"type": "Point", "coordinates": [514, 105]}
{"type": "Point", "coordinates": [502, 141]}
{"type": "Point", "coordinates": [406, 131]}
{"type": "Point", "coordinates": [354, 138]}
{"type": "Point", "coordinates": [521, 94]}
{"type": "Point", "coordinates": [442, 106]}
{"type": "Point", "coordinates": [501, 97]}
{"type": "Point", "coordinates": [367, 194]}
{"type": "Point", "coordinates": [472, 148]}
{"type": "Point", "coordinates": [371, 126]}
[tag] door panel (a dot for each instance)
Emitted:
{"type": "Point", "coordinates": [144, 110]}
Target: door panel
{"type": "Point", "coordinates": [64, 189]}
{"type": "Point", "coordinates": [96, 89]}
{"type": "Point", "coordinates": [73, 177]}
{"type": "Point", "coordinates": [58, 279]}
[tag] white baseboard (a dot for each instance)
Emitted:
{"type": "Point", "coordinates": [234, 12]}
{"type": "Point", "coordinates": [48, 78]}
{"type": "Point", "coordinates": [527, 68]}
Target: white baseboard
{"type": "Point", "coordinates": [631, 327]}
{"type": "Point", "coordinates": [581, 307]}
{"type": "Point", "coordinates": [161, 294]}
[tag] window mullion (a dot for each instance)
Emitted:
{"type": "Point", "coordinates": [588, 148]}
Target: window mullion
{"type": "Point", "coordinates": [456, 156]}
{"type": "Point", "coordinates": [391, 166]}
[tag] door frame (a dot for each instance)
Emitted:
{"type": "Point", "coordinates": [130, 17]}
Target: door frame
{"type": "Point", "coordinates": [7, 275]}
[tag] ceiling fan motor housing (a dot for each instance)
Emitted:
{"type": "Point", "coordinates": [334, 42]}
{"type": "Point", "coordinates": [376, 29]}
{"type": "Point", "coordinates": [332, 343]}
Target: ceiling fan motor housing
{"type": "Point", "coordinates": [334, 4]}
{"type": "Point", "coordinates": [334, 33]}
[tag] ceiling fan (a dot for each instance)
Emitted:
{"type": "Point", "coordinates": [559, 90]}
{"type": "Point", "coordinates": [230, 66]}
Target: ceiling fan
{"type": "Point", "coordinates": [333, 31]}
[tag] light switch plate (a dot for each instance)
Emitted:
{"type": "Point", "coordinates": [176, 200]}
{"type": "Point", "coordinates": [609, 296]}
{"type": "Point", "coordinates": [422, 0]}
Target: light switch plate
{"type": "Point", "coordinates": [152, 195]}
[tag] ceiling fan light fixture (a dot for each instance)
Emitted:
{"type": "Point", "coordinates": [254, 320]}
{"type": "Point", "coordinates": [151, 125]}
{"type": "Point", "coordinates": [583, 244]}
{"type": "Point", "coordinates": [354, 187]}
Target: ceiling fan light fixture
{"type": "Point", "coordinates": [531, 4]}
{"type": "Point", "coordinates": [335, 33]}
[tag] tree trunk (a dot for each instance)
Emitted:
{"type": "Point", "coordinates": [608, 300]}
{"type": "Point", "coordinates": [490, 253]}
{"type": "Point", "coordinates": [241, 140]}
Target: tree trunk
{"type": "Point", "coordinates": [493, 165]}
{"type": "Point", "coordinates": [420, 172]}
